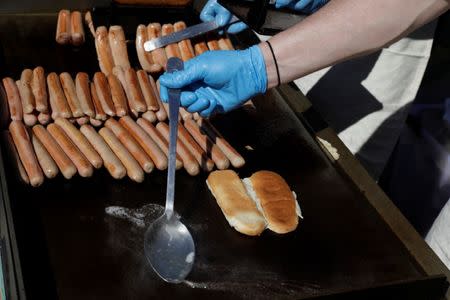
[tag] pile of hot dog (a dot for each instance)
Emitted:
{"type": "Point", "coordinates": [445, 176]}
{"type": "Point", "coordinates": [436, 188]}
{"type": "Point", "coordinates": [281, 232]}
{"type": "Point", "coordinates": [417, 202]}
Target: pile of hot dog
{"type": "Point", "coordinates": [123, 147]}
{"type": "Point", "coordinates": [155, 61]}
{"type": "Point", "coordinates": [36, 98]}
{"type": "Point", "coordinates": [133, 138]}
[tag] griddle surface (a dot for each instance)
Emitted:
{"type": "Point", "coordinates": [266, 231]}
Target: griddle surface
{"type": "Point", "coordinates": [71, 249]}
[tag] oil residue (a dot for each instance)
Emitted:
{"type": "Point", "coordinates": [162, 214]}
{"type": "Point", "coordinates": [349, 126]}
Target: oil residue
{"type": "Point", "coordinates": [140, 217]}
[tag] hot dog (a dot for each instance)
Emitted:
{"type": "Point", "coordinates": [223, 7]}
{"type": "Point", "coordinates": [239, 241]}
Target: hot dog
{"type": "Point", "coordinates": [12, 151]}
{"type": "Point", "coordinates": [30, 119]}
{"type": "Point", "coordinates": [57, 99]}
{"type": "Point", "coordinates": [150, 116]}
{"type": "Point", "coordinates": [81, 142]}
{"type": "Point", "coordinates": [63, 162]}
{"type": "Point", "coordinates": [110, 160]}
{"type": "Point", "coordinates": [71, 94]}
{"type": "Point", "coordinates": [81, 163]}
{"type": "Point", "coordinates": [120, 74]}
{"type": "Point", "coordinates": [190, 164]}
{"type": "Point", "coordinates": [235, 158]}
{"type": "Point", "coordinates": [103, 48]}
{"type": "Point", "coordinates": [63, 35]}
{"type": "Point", "coordinates": [185, 114]}
{"type": "Point", "coordinates": [104, 93]}
{"type": "Point", "coordinates": [130, 143]}
{"type": "Point", "coordinates": [147, 90]}
{"type": "Point", "coordinates": [99, 113]}
{"type": "Point", "coordinates": [204, 161]}
{"type": "Point", "coordinates": [43, 118]}
{"type": "Point", "coordinates": [89, 22]}
{"type": "Point", "coordinates": [146, 142]}
{"type": "Point", "coordinates": [27, 156]}
{"type": "Point", "coordinates": [159, 140]}
{"type": "Point", "coordinates": [185, 46]}
{"type": "Point", "coordinates": [82, 120]}
{"type": "Point", "coordinates": [161, 114]}
{"type": "Point", "coordinates": [145, 58]}
{"type": "Point", "coordinates": [200, 47]}
{"type": "Point", "coordinates": [136, 99]}
{"type": "Point", "coordinates": [39, 88]}
{"type": "Point", "coordinates": [159, 55]}
{"type": "Point", "coordinates": [155, 90]}
{"type": "Point", "coordinates": [207, 145]}
{"type": "Point", "coordinates": [118, 46]}
{"type": "Point", "coordinates": [95, 122]}
{"type": "Point", "coordinates": [225, 43]}
{"type": "Point", "coordinates": [172, 50]}
{"type": "Point", "coordinates": [26, 95]}
{"type": "Point", "coordinates": [76, 28]}
{"type": "Point", "coordinates": [46, 162]}
{"type": "Point", "coordinates": [84, 94]}
{"type": "Point", "coordinates": [118, 96]}
{"type": "Point", "coordinates": [212, 42]}
{"type": "Point", "coordinates": [13, 97]}
{"type": "Point", "coordinates": [134, 171]}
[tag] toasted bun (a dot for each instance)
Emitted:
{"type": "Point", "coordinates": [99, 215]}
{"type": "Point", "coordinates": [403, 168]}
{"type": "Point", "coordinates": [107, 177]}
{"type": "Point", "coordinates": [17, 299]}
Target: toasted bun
{"type": "Point", "coordinates": [238, 208]}
{"type": "Point", "coordinates": [276, 200]}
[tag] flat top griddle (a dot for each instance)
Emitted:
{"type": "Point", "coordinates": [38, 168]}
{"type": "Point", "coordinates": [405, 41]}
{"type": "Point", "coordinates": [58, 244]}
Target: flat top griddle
{"type": "Point", "coordinates": [71, 249]}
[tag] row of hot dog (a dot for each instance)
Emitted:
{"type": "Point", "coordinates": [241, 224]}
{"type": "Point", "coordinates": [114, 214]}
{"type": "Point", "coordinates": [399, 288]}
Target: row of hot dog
{"type": "Point", "coordinates": [123, 147]}
{"type": "Point", "coordinates": [36, 98]}
{"type": "Point", "coordinates": [156, 60]}
{"type": "Point", "coordinates": [112, 50]}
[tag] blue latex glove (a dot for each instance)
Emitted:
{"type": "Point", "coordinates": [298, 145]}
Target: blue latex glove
{"type": "Point", "coordinates": [213, 11]}
{"type": "Point", "coordinates": [305, 6]}
{"type": "Point", "coordinates": [218, 81]}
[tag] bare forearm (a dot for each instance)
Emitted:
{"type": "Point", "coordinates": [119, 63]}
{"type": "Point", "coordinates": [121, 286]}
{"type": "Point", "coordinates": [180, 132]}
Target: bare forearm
{"type": "Point", "coordinates": [344, 29]}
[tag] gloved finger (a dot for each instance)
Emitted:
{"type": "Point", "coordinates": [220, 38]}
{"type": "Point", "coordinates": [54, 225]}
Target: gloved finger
{"type": "Point", "coordinates": [223, 16]}
{"type": "Point", "coordinates": [302, 4]}
{"type": "Point", "coordinates": [208, 13]}
{"type": "Point", "coordinates": [212, 106]}
{"type": "Point", "coordinates": [163, 93]}
{"type": "Point", "coordinates": [199, 105]}
{"type": "Point", "coordinates": [187, 98]}
{"type": "Point", "coordinates": [282, 3]}
{"type": "Point", "coordinates": [192, 72]}
{"type": "Point", "coordinates": [237, 27]}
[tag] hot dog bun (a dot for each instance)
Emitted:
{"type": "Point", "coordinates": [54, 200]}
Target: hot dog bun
{"type": "Point", "coordinates": [237, 206]}
{"type": "Point", "coordinates": [261, 201]}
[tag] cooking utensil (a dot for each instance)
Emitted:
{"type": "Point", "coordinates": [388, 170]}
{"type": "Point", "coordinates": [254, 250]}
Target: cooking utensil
{"type": "Point", "coordinates": [184, 34]}
{"type": "Point", "coordinates": [168, 244]}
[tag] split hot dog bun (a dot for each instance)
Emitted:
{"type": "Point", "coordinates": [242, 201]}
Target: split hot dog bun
{"type": "Point", "coordinates": [237, 206]}
{"type": "Point", "coordinates": [264, 200]}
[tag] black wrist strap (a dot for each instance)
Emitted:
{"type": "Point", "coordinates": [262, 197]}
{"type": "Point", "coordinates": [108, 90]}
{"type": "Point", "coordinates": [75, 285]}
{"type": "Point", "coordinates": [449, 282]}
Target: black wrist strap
{"type": "Point", "coordinates": [276, 63]}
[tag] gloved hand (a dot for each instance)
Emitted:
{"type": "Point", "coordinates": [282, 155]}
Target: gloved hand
{"type": "Point", "coordinates": [218, 81]}
{"type": "Point", "coordinates": [213, 11]}
{"type": "Point", "coordinates": [305, 6]}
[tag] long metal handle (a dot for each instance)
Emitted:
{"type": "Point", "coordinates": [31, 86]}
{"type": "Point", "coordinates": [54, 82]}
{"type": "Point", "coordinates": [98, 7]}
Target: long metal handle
{"type": "Point", "coordinates": [173, 64]}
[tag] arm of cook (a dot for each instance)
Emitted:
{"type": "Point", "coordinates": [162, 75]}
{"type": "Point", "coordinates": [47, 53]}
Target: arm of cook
{"type": "Point", "coordinates": [219, 81]}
